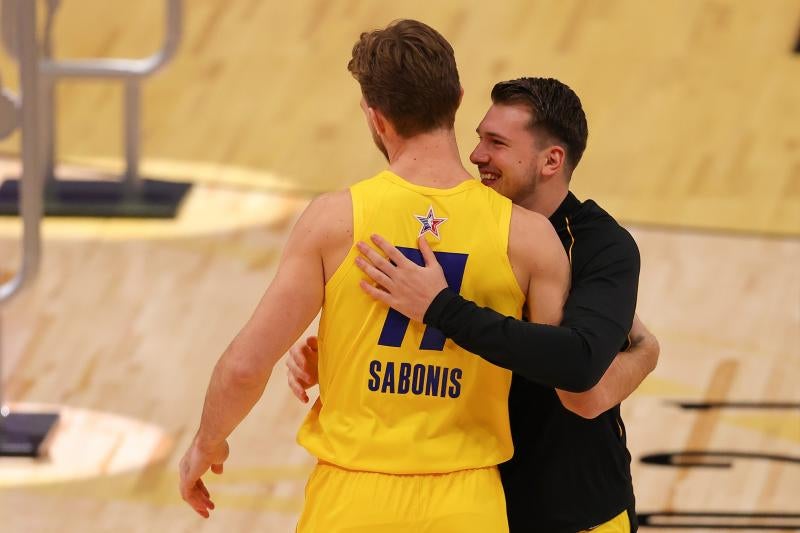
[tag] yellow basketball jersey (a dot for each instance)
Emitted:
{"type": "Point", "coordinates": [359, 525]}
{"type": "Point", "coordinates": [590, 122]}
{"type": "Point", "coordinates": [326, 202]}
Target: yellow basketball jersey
{"type": "Point", "coordinates": [395, 395]}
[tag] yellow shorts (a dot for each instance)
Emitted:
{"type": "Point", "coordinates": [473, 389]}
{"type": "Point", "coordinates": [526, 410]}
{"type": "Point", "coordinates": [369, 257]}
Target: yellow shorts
{"type": "Point", "coordinates": [344, 501]}
{"type": "Point", "coordinates": [618, 524]}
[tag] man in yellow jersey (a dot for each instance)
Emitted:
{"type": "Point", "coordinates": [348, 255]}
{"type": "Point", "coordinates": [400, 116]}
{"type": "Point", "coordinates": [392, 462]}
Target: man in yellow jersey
{"type": "Point", "coordinates": [409, 427]}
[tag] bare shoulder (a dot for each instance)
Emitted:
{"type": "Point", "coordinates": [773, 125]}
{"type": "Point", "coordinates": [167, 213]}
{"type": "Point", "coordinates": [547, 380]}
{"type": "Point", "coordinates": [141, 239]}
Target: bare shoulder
{"type": "Point", "coordinates": [328, 217]}
{"type": "Point", "coordinates": [533, 242]}
{"type": "Point", "coordinates": [529, 230]}
{"type": "Point", "coordinates": [523, 234]}
{"type": "Point", "coordinates": [526, 222]}
{"type": "Point", "coordinates": [334, 202]}
{"type": "Point", "coordinates": [326, 228]}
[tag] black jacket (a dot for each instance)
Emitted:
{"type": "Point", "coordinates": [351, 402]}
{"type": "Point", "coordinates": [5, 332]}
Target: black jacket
{"type": "Point", "coordinates": [567, 473]}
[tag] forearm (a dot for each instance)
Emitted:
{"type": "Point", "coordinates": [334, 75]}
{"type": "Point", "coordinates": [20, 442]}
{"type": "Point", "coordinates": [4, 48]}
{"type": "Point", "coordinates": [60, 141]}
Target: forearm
{"type": "Point", "coordinates": [624, 376]}
{"type": "Point", "coordinates": [565, 358]}
{"type": "Point", "coordinates": [231, 395]}
{"type": "Point", "coordinates": [243, 370]}
{"type": "Point", "coordinates": [619, 381]}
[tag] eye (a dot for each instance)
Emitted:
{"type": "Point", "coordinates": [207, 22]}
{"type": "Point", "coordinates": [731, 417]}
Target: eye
{"type": "Point", "coordinates": [497, 142]}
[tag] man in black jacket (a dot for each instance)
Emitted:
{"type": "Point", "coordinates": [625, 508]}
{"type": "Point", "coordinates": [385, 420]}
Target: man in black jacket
{"type": "Point", "coordinates": [571, 468]}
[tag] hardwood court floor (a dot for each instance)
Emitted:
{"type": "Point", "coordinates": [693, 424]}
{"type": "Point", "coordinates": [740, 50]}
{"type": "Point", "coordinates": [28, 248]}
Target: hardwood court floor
{"type": "Point", "coordinates": [128, 318]}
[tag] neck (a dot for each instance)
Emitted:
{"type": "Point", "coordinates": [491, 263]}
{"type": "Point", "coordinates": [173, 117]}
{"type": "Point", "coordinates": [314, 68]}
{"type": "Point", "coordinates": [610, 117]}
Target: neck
{"type": "Point", "coordinates": [547, 197]}
{"type": "Point", "coordinates": [430, 159]}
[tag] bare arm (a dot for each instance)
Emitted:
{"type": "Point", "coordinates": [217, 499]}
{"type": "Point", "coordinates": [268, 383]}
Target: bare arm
{"type": "Point", "coordinates": [243, 370]}
{"type": "Point", "coordinates": [625, 374]}
{"type": "Point", "coordinates": [290, 303]}
{"type": "Point", "coordinates": [549, 280]}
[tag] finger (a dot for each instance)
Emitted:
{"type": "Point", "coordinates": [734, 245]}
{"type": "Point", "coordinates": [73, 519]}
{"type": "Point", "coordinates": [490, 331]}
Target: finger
{"type": "Point", "coordinates": [313, 343]}
{"type": "Point", "coordinates": [298, 390]}
{"type": "Point", "coordinates": [198, 502]}
{"type": "Point", "coordinates": [308, 353]}
{"type": "Point", "coordinates": [389, 249]}
{"type": "Point", "coordinates": [290, 360]}
{"type": "Point", "coordinates": [202, 486]}
{"type": "Point", "coordinates": [376, 293]}
{"type": "Point", "coordinates": [376, 259]}
{"type": "Point", "coordinates": [427, 253]}
{"type": "Point", "coordinates": [205, 498]}
{"type": "Point", "coordinates": [296, 351]}
{"type": "Point", "coordinates": [226, 450]}
{"type": "Point", "coordinates": [308, 356]}
{"type": "Point", "coordinates": [376, 275]}
{"type": "Point", "coordinates": [297, 371]}
{"type": "Point", "coordinates": [201, 510]}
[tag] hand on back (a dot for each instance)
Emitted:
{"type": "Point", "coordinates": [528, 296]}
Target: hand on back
{"type": "Point", "coordinates": [301, 364]}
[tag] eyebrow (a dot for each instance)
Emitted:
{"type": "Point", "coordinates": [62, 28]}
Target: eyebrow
{"type": "Point", "coordinates": [492, 134]}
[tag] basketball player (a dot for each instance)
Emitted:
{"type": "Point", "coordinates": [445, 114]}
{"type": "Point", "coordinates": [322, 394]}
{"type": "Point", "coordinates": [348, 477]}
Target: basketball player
{"type": "Point", "coordinates": [409, 428]}
{"type": "Point", "coordinates": [569, 473]}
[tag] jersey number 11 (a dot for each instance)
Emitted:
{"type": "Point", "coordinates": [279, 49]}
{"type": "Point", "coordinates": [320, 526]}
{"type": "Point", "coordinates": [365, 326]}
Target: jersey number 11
{"type": "Point", "coordinates": [396, 324]}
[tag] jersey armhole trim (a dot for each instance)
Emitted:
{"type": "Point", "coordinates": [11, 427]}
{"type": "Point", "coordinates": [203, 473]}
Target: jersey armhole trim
{"type": "Point", "coordinates": [348, 261]}
{"type": "Point", "coordinates": [504, 232]}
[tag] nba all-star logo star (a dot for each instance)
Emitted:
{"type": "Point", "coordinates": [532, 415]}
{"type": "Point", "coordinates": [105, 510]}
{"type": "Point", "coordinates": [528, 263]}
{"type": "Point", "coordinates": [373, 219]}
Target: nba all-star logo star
{"type": "Point", "coordinates": [430, 223]}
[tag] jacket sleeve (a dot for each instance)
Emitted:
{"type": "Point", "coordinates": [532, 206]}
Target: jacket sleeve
{"type": "Point", "coordinates": [573, 356]}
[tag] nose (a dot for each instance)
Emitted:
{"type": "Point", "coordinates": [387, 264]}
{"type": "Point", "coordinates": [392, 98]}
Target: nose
{"type": "Point", "coordinates": [479, 156]}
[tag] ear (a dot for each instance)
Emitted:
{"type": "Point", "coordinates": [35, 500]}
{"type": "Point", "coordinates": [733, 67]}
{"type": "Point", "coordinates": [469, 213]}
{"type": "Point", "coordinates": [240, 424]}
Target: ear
{"type": "Point", "coordinates": [554, 161]}
{"type": "Point", "coordinates": [377, 119]}
{"type": "Point", "coordinates": [460, 95]}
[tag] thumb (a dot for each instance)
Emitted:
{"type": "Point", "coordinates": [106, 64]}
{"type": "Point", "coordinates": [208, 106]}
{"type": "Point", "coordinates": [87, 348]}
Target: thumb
{"type": "Point", "coordinates": [427, 253]}
{"type": "Point", "coordinates": [221, 457]}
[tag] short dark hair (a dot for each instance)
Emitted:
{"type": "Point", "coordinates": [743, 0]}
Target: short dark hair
{"type": "Point", "coordinates": [408, 71]}
{"type": "Point", "coordinates": [555, 110]}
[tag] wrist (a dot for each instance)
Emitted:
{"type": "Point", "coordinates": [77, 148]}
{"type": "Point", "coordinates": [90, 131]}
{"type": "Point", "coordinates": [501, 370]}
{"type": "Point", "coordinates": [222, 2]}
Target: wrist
{"type": "Point", "coordinates": [433, 315]}
{"type": "Point", "coordinates": [204, 444]}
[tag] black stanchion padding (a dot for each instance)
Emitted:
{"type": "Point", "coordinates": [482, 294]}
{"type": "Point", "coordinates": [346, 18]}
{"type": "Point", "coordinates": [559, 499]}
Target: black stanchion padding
{"type": "Point", "coordinates": [102, 198]}
{"type": "Point", "coordinates": [25, 434]}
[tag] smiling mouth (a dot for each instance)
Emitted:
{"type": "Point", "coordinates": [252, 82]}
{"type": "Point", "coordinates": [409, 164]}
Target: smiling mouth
{"type": "Point", "coordinates": [488, 178]}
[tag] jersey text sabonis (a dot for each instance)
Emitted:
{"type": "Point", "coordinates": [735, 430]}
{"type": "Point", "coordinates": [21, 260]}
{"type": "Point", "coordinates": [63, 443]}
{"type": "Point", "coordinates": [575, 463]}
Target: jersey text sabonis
{"type": "Point", "coordinates": [417, 379]}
